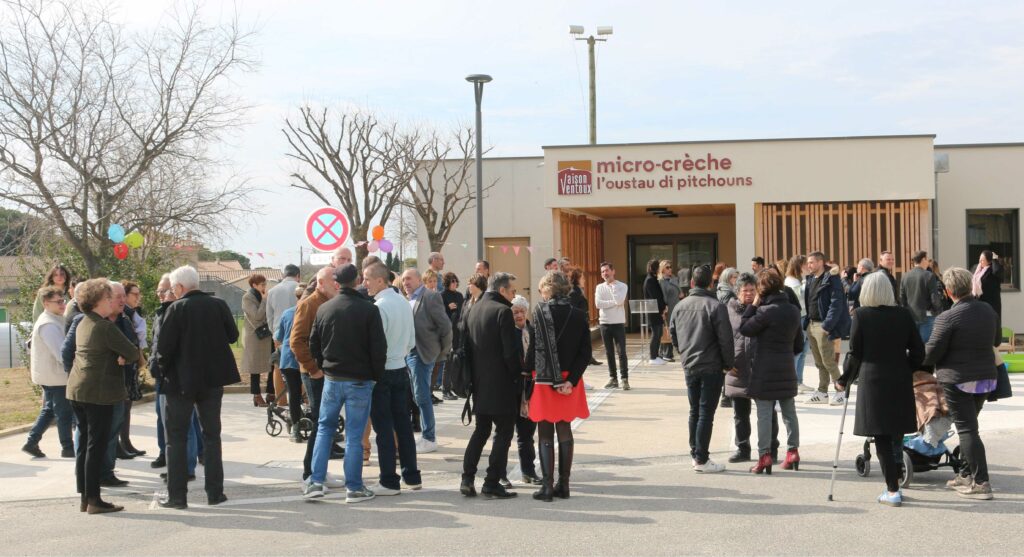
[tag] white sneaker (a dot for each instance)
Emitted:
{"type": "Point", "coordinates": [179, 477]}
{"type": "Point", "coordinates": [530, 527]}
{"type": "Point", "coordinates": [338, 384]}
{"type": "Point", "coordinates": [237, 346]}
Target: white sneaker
{"type": "Point", "coordinates": [334, 483]}
{"type": "Point", "coordinates": [385, 491]}
{"type": "Point", "coordinates": [425, 446]}
{"type": "Point", "coordinates": [658, 362]}
{"type": "Point", "coordinates": [710, 467]}
{"type": "Point", "coordinates": [817, 397]}
{"type": "Point", "coordinates": [838, 399]}
{"type": "Point", "coordinates": [414, 487]}
{"type": "Point", "coordinates": [801, 388]}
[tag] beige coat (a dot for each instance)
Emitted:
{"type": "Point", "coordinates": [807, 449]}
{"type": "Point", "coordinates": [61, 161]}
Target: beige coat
{"type": "Point", "coordinates": [255, 352]}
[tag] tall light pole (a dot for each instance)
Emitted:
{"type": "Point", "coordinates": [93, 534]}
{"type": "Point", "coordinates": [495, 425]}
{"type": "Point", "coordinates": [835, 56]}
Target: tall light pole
{"type": "Point", "coordinates": [478, 81]}
{"type": "Point", "coordinates": [591, 41]}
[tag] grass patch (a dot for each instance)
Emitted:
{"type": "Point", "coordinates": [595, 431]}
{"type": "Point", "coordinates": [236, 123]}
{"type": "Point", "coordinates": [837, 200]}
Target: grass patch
{"type": "Point", "coordinates": [19, 403]}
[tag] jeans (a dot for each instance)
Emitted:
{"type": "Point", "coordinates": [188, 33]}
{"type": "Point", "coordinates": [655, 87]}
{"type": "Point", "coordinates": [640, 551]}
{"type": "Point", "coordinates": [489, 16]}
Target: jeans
{"type": "Point", "coordinates": [964, 409]}
{"type": "Point", "coordinates": [314, 391]}
{"type": "Point", "coordinates": [504, 427]}
{"type": "Point", "coordinates": [93, 439]}
{"type": "Point", "coordinates": [294, 383]}
{"type": "Point", "coordinates": [55, 406]}
{"type": "Point", "coordinates": [741, 421]}
{"type": "Point", "coordinates": [703, 390]}
{"type": "Point", "coordinates": [355, 396]}
{"type": "Point", "coordinates": [801, 360]}
{"type": "Point", "coordinates": [655, 323]}
{"type": "Point", "coordinates": [117, 418]}
{"type": "Point", "coordinates": [178, 412]}
{"type": "Point", "coordinates": [389, 412]}
{"type": "Point", "coordinates": [419, 372]}
{"type": "Point", "coordinates": [924, 328]}
{"type": "Point", "coordinates": [766, 420]}
{"type": "Point", "coordinates": [824, 353]}
{"type": "Point", "coordinates": [614, 337]}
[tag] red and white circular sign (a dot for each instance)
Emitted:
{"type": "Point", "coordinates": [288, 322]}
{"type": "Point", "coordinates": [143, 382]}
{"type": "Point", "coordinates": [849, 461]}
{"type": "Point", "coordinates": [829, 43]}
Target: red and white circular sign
{"type": "Point", "coordinates": [327, 229]}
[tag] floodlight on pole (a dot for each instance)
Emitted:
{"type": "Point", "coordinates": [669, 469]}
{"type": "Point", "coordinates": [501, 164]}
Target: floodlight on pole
{"type": "Point", "coordinates": [602, 30]}
{"type": "Point", "coordinates": [478, 81]}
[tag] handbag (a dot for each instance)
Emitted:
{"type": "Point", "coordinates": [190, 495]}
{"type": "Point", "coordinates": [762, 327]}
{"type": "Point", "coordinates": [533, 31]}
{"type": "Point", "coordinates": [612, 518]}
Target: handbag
{"type": "Point", "coordinates": [263, 331]}
{"type": "Point", "coordinates": [666, 337]}
{"type": "Point", "coordinates": [1003, 388]}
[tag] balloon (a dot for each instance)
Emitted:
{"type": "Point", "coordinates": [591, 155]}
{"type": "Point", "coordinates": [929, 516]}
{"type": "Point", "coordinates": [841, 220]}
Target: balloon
{"type": "Point", "coordinates": [121, 251]}
{"type": "Point", "coordinates": [372, 246]}
{"type": "Point", "coordinates": [386, 246]}
{"type": "Point", "coordinates": [378, 233]}
{"type": "Point", "coordinates": [134, 240]}
{"type": "Point", "coordinates": [116, 233]}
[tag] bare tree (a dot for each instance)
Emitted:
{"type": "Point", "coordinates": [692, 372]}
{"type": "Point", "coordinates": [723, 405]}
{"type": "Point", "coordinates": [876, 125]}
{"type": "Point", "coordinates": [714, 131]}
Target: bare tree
{"type": "Point", "coordinates": [444, 187]}
{"type": "Point", "coordinates": [96, 122]}
{"type": "Point", "coordinates": [354, 158]}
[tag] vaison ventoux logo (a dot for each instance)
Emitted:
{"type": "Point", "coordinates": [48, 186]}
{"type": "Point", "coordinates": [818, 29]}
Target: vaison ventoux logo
{"type": "Point", "coordinates": [575, 178]}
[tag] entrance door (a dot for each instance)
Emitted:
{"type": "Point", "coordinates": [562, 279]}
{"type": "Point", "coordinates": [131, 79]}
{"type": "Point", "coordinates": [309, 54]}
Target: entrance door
{"type": "Point", "coordinates": [684, 250]}
{"type": "Point", "coordinates": [503, 256]}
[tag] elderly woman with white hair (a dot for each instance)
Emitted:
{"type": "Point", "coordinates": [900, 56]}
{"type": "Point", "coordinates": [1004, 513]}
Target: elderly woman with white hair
{"type": "Point", "coordinates": [885, 350]}
{"type": "Point", "coordinates": [525, 427]}
{"type": "Point", "coordinates": [961, 349]}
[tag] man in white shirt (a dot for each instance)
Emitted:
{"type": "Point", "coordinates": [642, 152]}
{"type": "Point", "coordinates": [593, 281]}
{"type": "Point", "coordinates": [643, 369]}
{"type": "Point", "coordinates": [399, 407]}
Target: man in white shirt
{"type": "Point", "coordinates": [610, 299]}
{"type": "Point", "coordinates": [389, 411]}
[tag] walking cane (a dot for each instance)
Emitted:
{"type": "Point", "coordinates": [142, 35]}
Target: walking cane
{"type": "Point", "coordinates": [835, 462]}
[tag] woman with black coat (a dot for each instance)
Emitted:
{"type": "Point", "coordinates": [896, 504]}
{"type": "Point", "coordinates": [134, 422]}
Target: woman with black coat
{"type": "Point", "coordinates": [652, 291]}
{"type": "Point", "coordinates": [559, 352]}
{"type": "Point", "coordinates": [885, 350]}
{"type": "Point", "coordinates": [775, 322]}
{"type": "Point", "coordinates": [453, 302]}
{"type": "Point", "coordinates": [987, 283]}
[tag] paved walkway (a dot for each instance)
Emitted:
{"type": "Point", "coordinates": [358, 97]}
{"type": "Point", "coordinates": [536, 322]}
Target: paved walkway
{"type": "Point", "coordinates": [633, 490]}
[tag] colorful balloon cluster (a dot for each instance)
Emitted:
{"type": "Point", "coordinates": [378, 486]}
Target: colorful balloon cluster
{"type": "Point", "coordinates": [124, 243]}
{"type": "Point", "coordinates": [378, 242]}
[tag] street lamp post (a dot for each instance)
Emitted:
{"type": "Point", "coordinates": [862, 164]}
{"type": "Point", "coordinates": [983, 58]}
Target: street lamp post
{"type": "Point", "coordinates": [478, 81]}
{"type": "Point", "coordinates": [575, 30]}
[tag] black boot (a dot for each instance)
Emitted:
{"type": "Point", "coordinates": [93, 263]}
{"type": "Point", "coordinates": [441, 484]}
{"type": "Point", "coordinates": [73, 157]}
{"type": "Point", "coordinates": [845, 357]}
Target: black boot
{"type": "Point", "coordinates": [742, 453]}
{"type": "Point", "coordinates": [546, 450]}
{"type": "Point", "coordinates": [565, 449]}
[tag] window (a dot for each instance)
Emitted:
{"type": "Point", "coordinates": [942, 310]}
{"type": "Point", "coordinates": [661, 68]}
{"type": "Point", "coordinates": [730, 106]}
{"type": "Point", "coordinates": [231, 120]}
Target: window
{"type": "Point", "coordinates": [996, 230]}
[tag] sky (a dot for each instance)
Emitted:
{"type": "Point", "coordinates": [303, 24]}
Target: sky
{"type": "Point", "coordinates": [672, 71]}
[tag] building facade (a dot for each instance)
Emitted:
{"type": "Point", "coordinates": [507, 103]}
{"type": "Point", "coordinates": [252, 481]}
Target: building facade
{"type": "Point", "coordinates": [729, 201]}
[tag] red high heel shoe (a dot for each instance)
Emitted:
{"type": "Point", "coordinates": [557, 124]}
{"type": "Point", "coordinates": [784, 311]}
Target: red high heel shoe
{"type": "Point", "coordinates": [764, 465]}
{"type": "Point", "coordinates": [792, 461]}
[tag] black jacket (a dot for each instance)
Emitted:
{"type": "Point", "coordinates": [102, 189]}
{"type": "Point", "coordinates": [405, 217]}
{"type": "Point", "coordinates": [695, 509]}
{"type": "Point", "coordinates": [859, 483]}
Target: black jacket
{"type": "Point", "coordinates": [154, 360]}
{"type": "Point", "coordinates": [579, 301]}
{"type": "Point", "coordinates": [832, 308]}
{"type": "Point", "coordinates": [776, 324]}
{"type": "Point", "coordinates": [701, 332]}
{"type": "Point", "coordinates": [961, 344]}
{"type": "Point", "coordinates": [992, 288]}
{"type": "Point", "coordinates": [494, 348]}
{"type": "Point", "coordinates": [652, 291]}
{"type": "Point", "coordinates": [348, 339]}
{"type": "Point", "coordinates": [885, 350]}
{"type": "Point", "coordinates": [737, 382]}
{"type": "Point", "coordinates": [195, 344]}
{"type": "Point", "coordinates": [574, 344]}
{"type": "Point", "coordinates": [919, 293]}
{"type": "Point", "coordinates": [892, 282]}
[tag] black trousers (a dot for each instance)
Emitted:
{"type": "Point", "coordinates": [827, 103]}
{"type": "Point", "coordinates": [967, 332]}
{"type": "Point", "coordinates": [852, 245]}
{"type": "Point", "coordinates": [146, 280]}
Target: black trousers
{"type": "Point", "coordinates": [655, 323]}
{"type": "Point", "coordinates": [888, 447]}
{"type": "Point", "coordinates": [254, 383]}
{"type": "Point", "coordinates": [293, 379]}
{"type": "Point", "coordinates": [614, 337]}
{"type": "Point", "coordinates": [94, 423]}
{"type": "Point", "coordinates": [178, 420]}
{"type": "Point", "coordinates": [504, 427]}
{"type": "Point", "coordinates": [964, 409]}
{"type": "Point", "coordinates": [741, 421]}
{"type": "Point", "coordinates": [314, 409]}
{"type": "Point", "coordinates": [525, 428]}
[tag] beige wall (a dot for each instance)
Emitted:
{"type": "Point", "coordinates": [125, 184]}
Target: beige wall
{"type": "Point", "coordinates": [979, 177]}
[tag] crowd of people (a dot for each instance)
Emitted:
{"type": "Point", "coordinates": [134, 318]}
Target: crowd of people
{"type": "Point", "coordinates": [376, 345]}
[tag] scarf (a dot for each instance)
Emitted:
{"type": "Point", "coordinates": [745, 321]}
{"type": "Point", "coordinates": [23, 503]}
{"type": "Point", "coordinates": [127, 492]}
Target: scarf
{"type": "Point", "coordinates": [976, 280]}
{"type": "Point", "coordinates": [549, 369]}
{"type": "Point", "coordinates": [256, 293]}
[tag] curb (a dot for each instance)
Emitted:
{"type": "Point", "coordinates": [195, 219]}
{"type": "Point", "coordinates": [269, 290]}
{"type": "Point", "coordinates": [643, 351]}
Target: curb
{"type": "Point", "coordinates": [148, 397]}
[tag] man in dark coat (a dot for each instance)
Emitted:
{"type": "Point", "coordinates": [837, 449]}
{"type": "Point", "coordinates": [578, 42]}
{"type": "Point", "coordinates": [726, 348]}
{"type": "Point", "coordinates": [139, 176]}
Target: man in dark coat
{"type": "Point", "coordinates": [920, 293]}
{"type": "Point", "coordinates": [196, 362]}
{"type": "Point", "coordinates": [493, 348]}
{"type": "Point", "coordinates": [827, 319]}
{"type": "Point", "coordinates": [652, 291]}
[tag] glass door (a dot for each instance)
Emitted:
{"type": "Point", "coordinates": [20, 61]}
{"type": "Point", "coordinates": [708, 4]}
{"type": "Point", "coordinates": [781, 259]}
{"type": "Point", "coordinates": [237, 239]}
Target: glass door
{"type": "Point", "coordinates": [685, 250]}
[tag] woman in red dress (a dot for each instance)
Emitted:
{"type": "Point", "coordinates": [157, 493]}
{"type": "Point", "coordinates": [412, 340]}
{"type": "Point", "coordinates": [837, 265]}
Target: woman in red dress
{"type": "Point", "coordinates": [559, 353]}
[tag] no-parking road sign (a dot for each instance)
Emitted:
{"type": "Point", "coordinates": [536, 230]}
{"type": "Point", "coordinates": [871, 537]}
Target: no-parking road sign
{"type": "Point", "coordinates": [327, 229]}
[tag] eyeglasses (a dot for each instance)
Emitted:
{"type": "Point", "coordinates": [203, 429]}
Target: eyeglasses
{"type": "Point", "coordinates": [58, 301]}
{"type": "Point", "coordinates": [163, 291]}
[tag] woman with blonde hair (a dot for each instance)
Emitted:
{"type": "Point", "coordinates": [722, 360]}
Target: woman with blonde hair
{"type": "Point", "coordinates": [670, 288]}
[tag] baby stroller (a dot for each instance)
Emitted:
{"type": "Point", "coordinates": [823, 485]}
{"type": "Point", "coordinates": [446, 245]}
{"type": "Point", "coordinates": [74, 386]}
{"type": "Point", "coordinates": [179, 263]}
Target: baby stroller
{"type": "Point", "coordinates": [926, 450]}
{"type": "Point", "coordinates": [278, 419]}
